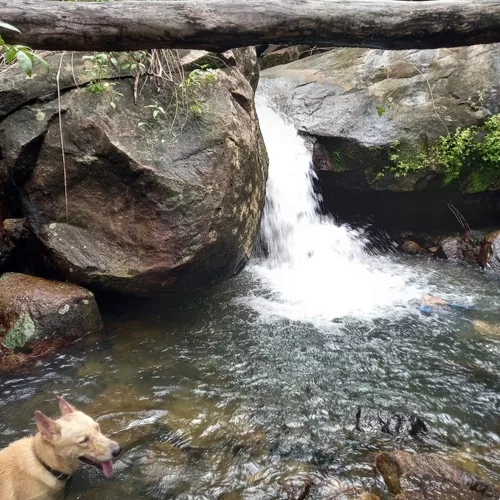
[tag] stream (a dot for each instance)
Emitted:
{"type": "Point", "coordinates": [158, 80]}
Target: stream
{"type": "Point", "coordinates": [229, 393]}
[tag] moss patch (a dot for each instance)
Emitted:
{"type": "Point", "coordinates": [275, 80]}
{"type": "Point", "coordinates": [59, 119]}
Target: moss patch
{"type": "Point", "coordinates": [22, 331]}
{"type": "Point", "coordinates": [336, 159]}
{"type": "Point", "coordinates": [470, 155]}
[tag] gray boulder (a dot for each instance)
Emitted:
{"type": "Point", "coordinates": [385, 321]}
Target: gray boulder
{"type": "Point", "coordinates": [377, 119]}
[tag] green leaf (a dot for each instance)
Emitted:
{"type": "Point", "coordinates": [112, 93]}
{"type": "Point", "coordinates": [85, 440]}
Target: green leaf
{"type": "Point", "coordinates": [42, 61]}
{"type": "Point", "coordinates": [8, 26]}
{"type": "Point", "coordinates": [112, 104]}
{"type": "Point", "coordinates": [133, 66]}
{"type": "Point", "coordinates": [25, 62]}
{"type": "Point", "coordinates": [114, 62]}
{"type": "Point", "coordinates": [28, 52]}
{"type": "Point", "coordinates": [10, 55]}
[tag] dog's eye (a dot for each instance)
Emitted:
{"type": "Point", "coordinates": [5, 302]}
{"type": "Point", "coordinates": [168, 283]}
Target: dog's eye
{"type": "Point", "coordinates": [84, 440]}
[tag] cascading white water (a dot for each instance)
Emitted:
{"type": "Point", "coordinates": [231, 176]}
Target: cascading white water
{"type": "Point", "coordinates": [316, 270]}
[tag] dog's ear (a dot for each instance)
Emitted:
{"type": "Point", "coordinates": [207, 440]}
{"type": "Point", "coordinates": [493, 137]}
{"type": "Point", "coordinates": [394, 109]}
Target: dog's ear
{"type": "Point", "coordinates": [64, 406]}
{"type": "Point", "coordinates": [46, 425]}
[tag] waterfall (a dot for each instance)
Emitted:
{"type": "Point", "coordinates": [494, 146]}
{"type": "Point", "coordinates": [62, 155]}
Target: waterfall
{"type": "Point", "coordinates": [315, 269]}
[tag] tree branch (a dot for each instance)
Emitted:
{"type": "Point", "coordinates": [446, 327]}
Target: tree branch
{"type": "Point", "coordinates": [218, 25]}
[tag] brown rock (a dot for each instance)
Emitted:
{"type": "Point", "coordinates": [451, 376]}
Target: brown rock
{"type": "Point", "coordinates": [297, 487]}
{"type": "Point", "coordinates": [427, 476]}
{"type": "Point", "coordinates": [489, 255]}
{"type": "Point", "coordinates": [410, 247]}
{"type": "Point", "coordinates": [34, 309]}
{"type": "Point", "coordinates": [148, 212]}
{"type": "Point", "coordinates": [16, 229]}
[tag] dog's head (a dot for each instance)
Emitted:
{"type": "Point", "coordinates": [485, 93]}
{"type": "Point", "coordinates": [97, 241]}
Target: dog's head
{"type": "Point", "coordinates": [76, 438]}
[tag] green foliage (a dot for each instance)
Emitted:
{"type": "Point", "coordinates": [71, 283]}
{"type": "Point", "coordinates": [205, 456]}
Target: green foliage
{"type": "Point", "coordinates": [450, 152]}
{"type": "Point", "coordinates": [200, 76]}
{"type": "Point", "coordinates": [405, 160]}
{"type": "Point", "coordinates": [197, 79]}
{"type": "Point", "coordinates": [380, 110]}
{"type": "Point", "coordinates": [156, 110]}
{"type": "Point", "coordinates": [471, 154]}
{"type": "Point", "coordinates": [98, 72]}
{"type": "Point", "coordinates": [136, 61]}
{"type": "Point", "coordinates": [21, 54]}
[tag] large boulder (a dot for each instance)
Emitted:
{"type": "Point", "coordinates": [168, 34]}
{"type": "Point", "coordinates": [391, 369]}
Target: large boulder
{"type": "Point", "coordinates": [35, 309]}
{"type": "Point", "coordinates": [427, 476]}
{"type": "Point", "coordinates": [157, 196]}
{"type": "Point", "coordinates": [378, 118]}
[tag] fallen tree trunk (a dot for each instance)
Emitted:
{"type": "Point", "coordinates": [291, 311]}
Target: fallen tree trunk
{"type": "Point", "coordinates": [222, 24]}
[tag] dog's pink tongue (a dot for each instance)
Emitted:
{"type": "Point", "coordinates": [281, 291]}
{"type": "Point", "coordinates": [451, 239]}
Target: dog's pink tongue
{"type": "Point", "coordinates": [107, 468]}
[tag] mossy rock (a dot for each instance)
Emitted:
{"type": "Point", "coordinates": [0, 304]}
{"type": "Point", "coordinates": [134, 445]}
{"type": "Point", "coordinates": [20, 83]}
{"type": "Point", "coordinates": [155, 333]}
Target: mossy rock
{"type": "Point", "coordinates": [35, 309]}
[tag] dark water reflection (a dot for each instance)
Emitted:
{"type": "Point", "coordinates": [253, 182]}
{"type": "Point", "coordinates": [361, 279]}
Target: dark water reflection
{"type": "Point", "coordinates": [210, 401]}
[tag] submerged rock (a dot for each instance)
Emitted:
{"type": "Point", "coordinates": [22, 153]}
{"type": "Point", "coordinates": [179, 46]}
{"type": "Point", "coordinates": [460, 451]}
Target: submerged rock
{"type": "Point", "coordinates": [486, 328]}
{"type": "Point", "coordinates": [297, 487]}
{"type": "Point", "coordinates": [389, 422]}
{"type": "Point", "coordinates": [489, 255]}
{"type": "Point", "coordinates": [410, 247]}
{"type": "Point", "coordinates": [427, 476]}
{"type": "Point", "coordinates": [35, 309]}
{"type": "Point", "coordinates": [161, 196]}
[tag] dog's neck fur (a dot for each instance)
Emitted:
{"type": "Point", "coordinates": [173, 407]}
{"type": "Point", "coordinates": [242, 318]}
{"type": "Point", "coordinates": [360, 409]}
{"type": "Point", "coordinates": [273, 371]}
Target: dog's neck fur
{"type": "Point", "coordinates": [46, 453]}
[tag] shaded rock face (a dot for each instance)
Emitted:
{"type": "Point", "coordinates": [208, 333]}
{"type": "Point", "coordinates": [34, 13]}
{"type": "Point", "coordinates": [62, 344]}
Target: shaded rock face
{"type": "Point", "coordinates": [276, 55]}
{"type": "Point", "coordinates": [34, 309]}
{"type": "Point", "coordinates": [147, 212]}
{"type": "Point", "coordinates": [489, 255]}
{"type": "Point", "coordinates": [358, 104]}
{"type": "Point", "coordinates": [453, 248]}
{"type": "Point", "coordinates": [427, 476]}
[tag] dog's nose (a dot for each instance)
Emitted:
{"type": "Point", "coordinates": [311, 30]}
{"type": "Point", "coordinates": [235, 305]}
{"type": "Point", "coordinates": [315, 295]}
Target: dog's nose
{"type": "Point", "coordinates": [116, 451]}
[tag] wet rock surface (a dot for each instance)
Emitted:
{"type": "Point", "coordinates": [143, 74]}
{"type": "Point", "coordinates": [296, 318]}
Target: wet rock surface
{"type": "Point", "coordinates": [34, 309]}
{"type": "Point", "coordinates": [489, 255]}
{"type": "Point", "coordinates": [410, 247]}
{"type": "Point", "coordinates": [427, 476]}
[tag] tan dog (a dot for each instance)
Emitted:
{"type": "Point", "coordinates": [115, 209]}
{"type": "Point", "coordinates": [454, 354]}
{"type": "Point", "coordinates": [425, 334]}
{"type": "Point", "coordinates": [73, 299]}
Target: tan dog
{"type": "Point", "coordinates": [38, 467]}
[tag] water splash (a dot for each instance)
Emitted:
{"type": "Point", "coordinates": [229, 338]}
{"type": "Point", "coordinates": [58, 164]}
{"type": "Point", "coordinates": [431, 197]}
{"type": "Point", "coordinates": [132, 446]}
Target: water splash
{"type": "Point", "coordinates": [316, 270]}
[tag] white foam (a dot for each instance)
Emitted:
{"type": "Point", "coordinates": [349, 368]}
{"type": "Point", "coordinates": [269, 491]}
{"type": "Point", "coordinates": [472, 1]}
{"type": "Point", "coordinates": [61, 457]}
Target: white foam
{"type": "Point", "coordinates": [316, 270]}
